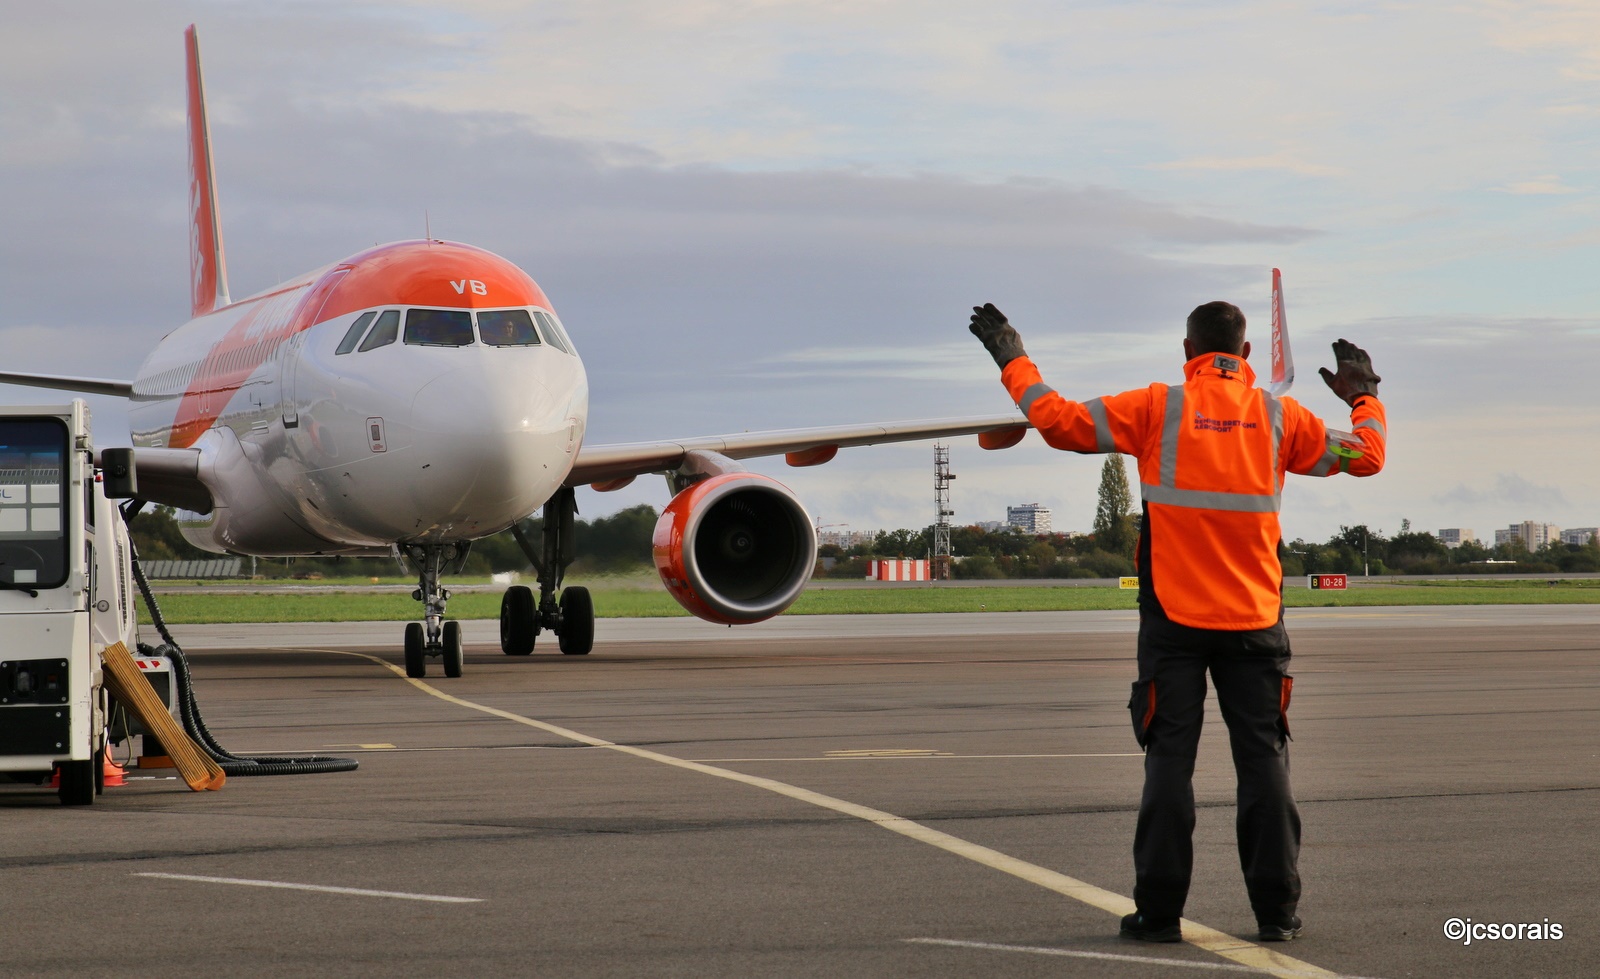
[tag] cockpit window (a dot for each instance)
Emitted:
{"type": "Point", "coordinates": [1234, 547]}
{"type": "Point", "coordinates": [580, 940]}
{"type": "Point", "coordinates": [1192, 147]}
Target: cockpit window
{"type": "Point", "coordinates": [439, 327]}
{"type": "Point", "coordinates": [552, 335]}
{"type": "Point", "coordinates": [353, 336]}
{"type": "Point", "coordinates": [384, 332]}
{"type": "Point", "coordinates": [506, 328]}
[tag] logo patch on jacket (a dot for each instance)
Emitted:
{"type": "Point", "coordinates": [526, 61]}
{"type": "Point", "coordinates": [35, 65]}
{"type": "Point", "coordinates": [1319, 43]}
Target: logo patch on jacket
{"type": "Point", "coordinates": [1204, 424]}
{"type": "Point", "coordinates": [1224, 363]}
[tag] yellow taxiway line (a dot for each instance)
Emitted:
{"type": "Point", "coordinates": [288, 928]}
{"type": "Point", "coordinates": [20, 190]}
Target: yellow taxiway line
{"type": "Point", "coordinates": [1234, 949]}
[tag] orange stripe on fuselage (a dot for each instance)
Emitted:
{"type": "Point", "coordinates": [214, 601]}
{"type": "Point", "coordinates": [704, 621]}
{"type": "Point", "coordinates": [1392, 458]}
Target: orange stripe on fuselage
{"type": "Point", "coordinates": [408, 273]}
{"type": "Point", "coordinates": [248, 344]}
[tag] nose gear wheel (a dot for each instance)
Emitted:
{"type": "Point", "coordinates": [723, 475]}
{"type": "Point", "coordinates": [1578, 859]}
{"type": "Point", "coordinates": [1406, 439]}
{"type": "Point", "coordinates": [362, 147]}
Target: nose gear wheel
{"type": "Point", "coordinates": [433, 636]}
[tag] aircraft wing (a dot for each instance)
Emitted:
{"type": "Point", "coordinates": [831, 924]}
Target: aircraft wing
{"type": "Point", "coordinates": [617, 464]}
{"type": "Point", "coordinates": [59, 382]}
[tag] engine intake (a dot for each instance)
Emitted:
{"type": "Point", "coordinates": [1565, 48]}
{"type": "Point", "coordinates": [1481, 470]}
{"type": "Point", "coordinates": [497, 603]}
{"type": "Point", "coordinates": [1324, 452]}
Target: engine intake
{"type": "Point", "coordinates": [735, 548]}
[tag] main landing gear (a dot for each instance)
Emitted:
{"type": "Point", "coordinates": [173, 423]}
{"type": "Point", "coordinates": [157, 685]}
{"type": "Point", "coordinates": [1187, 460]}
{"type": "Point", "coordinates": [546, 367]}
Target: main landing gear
{"type": "Point", "coordinates": [572, 617]}
{"type": "Point", "coordinates": [434, 636]}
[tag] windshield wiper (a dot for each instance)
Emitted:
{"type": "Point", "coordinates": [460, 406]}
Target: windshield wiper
{"type": "Point", "coordinates": [13, 586]}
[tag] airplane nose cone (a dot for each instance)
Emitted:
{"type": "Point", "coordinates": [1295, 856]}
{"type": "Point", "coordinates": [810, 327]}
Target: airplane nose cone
{"type": "Point", "coordinates": [490, 447]}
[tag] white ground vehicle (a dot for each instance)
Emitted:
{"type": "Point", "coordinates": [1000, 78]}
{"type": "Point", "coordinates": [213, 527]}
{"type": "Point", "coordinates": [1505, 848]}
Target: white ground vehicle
{"type": "Point", "coordinates": [66, 592]}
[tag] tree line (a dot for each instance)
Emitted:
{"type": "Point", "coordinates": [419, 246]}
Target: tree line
{"type": "Point", "coordinates": [1408, 552]}
{"type": "Point", "coordinates": [621, 542]}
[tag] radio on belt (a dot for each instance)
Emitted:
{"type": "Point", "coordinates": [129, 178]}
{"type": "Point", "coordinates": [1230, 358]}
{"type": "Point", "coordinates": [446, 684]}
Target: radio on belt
{"type": "Point", "coordinates": [65, 594]}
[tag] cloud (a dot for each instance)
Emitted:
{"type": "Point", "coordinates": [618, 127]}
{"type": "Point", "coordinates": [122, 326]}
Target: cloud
{"type": "Point", "coordinates": [1510, 490]}
{"type": "Point", "coordinates": [1276, 161]}
{"type": "Point", "coordinates": [1547, 184]}
{"type": "Point", "coordinates": [699, 286]}
{"type": "Point", "coordinates": [787, 227]}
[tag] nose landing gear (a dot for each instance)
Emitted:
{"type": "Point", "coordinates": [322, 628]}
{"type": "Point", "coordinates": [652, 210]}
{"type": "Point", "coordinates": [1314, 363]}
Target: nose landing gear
{"type": "Point", "coordinates": [572, 617]}
{"type": "Point", "coordinates": [434, 636]}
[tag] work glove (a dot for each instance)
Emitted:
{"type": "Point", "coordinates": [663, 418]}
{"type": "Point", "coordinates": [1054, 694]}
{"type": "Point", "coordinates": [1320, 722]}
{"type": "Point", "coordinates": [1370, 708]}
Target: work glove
{"type": "Point", "coordinates": [1002, 342]}
{"type": "Point", "coordinates": [1354, 376]}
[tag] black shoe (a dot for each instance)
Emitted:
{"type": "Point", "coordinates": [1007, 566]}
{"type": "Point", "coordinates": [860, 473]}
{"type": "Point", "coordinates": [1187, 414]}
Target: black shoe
{"type": "Point", "coordinates": [1147, 929]}
{"type": "Point", "coordinates": [1285, 930]}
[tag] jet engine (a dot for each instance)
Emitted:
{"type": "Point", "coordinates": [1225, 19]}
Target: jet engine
{"type": "Point", "coordinates": [735, 548]}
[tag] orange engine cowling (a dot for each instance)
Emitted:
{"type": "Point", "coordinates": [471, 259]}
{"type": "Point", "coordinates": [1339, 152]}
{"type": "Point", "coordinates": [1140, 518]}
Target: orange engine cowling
{"type": "Point", "coordinates": [735, 548]}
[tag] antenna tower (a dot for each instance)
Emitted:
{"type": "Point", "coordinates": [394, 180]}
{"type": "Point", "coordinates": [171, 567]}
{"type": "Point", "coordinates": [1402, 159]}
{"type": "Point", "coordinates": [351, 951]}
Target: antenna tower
{"type": "Point", "coordinates": [940, 565]}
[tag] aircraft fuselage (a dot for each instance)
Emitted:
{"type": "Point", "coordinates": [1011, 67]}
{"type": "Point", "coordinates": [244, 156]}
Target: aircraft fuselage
{"type": "Point", "coordinates": [418, 392]}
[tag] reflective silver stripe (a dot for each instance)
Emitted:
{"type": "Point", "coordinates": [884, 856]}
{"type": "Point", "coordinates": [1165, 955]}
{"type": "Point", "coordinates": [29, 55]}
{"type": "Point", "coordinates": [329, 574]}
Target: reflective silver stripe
{"type": "Point", "coordinates": [1170, 427]}
{"type": "Point", "coordinates": [1207, 500]}
{"type": "Point", "coordinates": [1102, 426]}
{"type": "Point", "coordinates": [1275, 414]}
{"type": "Point", "coordinates": [1375, 425]}
{"type": "Point", "coordinates": [1331, 459]}
{"type": "Point", "coordinates": [1033, 394]}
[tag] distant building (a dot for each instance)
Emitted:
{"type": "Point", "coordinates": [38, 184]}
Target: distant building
{"type": "Point", "coordinates": [1456, 536]}
{"type": "Point", "coordinates": [846, 539]}
{"type": "Point", "coordinates": [1579, 535]}
{"type": "Point", "coordinates": [990, 526]}
{"type": "Point", "coordinates": [1530, 533]}
{"type": "Point", "coordinates": [1030, 518]}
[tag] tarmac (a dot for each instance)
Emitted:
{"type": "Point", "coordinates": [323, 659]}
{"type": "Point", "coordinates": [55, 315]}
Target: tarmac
{"type": "Point", "coordinates": [929, 795]}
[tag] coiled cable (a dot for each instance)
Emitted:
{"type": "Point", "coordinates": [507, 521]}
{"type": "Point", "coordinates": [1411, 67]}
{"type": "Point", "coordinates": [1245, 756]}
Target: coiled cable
{"type": "Point", "coordinates": [195, 725]}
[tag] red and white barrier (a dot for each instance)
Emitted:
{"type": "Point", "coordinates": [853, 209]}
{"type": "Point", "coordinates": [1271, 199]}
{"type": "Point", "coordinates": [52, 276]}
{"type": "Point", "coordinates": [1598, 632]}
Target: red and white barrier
{"type": "Point", "coordinates": [904, 570]}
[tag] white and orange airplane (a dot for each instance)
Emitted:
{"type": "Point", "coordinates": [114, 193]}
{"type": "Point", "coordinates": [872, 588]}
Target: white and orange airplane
{"type": "Point", "coordinates": [421, 395]}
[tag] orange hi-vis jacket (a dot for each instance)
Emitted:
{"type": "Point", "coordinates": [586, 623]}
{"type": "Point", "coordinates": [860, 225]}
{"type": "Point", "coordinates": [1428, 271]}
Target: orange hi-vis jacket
{"type": "Point", "coordinates": [1212, 456]}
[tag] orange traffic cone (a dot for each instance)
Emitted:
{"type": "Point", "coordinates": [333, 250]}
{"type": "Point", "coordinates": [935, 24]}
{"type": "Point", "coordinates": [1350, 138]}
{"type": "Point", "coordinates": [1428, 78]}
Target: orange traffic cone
{"type": "Point", "coordinates": [115, 773]}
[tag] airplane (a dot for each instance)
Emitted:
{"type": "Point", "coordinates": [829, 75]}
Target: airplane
{"type": "Point", "coordinates": [420, 395]}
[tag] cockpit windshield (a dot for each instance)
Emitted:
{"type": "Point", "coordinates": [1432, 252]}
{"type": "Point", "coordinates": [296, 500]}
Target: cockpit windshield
{"type": "Point", "coordinates": [454, 328]}
{"type": "Point", "coordinates": [506, 328]}
{"type": "Point", "coordinates": [384, 333]}
{"type": "Point", "coordinates": [33, 497]}
{"type": "Point", "coordinates": [552, 333]}
{"type": "Point", "coordinates": [439, 327]}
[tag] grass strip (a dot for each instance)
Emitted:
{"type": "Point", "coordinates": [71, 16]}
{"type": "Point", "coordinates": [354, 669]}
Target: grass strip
{"type": "Point", "coordinates": [190, 608]}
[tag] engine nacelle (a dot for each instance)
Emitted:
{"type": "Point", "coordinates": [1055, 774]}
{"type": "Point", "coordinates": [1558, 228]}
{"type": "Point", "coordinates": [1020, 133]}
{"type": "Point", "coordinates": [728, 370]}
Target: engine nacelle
{"type": "Point", "coordinates": [735, 548]}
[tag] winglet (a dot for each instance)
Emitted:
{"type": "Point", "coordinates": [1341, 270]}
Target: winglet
{"type": "Point", "coordinates": [208, 269]}
{"type": "Point", "coordinates": [1282, 357]}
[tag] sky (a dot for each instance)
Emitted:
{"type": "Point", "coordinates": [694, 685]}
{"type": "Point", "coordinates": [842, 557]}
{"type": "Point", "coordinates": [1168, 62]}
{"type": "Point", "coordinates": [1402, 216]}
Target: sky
{"type": "Point", "coordinates": [777, 214]}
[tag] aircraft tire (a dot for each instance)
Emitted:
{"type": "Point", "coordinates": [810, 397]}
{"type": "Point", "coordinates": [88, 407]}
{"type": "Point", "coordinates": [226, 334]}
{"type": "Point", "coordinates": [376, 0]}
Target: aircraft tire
{"type": "Point", "coordinates": [518, 621]}
{"type": "Point", "coordinates": [577, 621]}
{"type": "Point", "coordinates": [452, 648]}
{"type": "Point", "coordinates": [77, 783]}
{"type": "Point", "coordinates": [416, 655]}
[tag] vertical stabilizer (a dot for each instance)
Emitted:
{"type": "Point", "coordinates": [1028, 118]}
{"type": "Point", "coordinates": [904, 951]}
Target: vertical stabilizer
{"type": "Point", "coordinates": [1282, 357]}
{"type": "Point", "coordinates": [208, 270]}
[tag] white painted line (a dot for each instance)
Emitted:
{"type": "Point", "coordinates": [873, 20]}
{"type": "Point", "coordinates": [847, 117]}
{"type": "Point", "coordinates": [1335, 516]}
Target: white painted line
{"type": "Point", "coordinates": [319, 888]}
{"type": "Point", "coordinates": [1070, 953]}
{"type": "Point", "coordinates": [1107, 956]}
{"type": "Point", "coordinates": [1221, 943]}
{"type": "Point", "coordinates": [939, 757]}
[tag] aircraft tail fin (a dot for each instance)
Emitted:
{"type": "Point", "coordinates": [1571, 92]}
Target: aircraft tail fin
{"type": "Point", "coordinates": [1282, 357]}
{"type": "Point", "coordinates": [208, 269]}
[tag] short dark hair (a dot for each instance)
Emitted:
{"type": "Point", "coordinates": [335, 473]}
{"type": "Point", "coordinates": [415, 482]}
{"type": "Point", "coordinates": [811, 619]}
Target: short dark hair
{"type": "Point", "coordinates": [1217, 327]}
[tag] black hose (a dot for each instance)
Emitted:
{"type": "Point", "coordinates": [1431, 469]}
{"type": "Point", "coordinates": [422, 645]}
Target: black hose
{"type": "Point", "coordinates": [193, 723]}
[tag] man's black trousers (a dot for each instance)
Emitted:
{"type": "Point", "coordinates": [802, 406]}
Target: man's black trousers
{"type": "Point", "coordinates": [1250, 673]}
